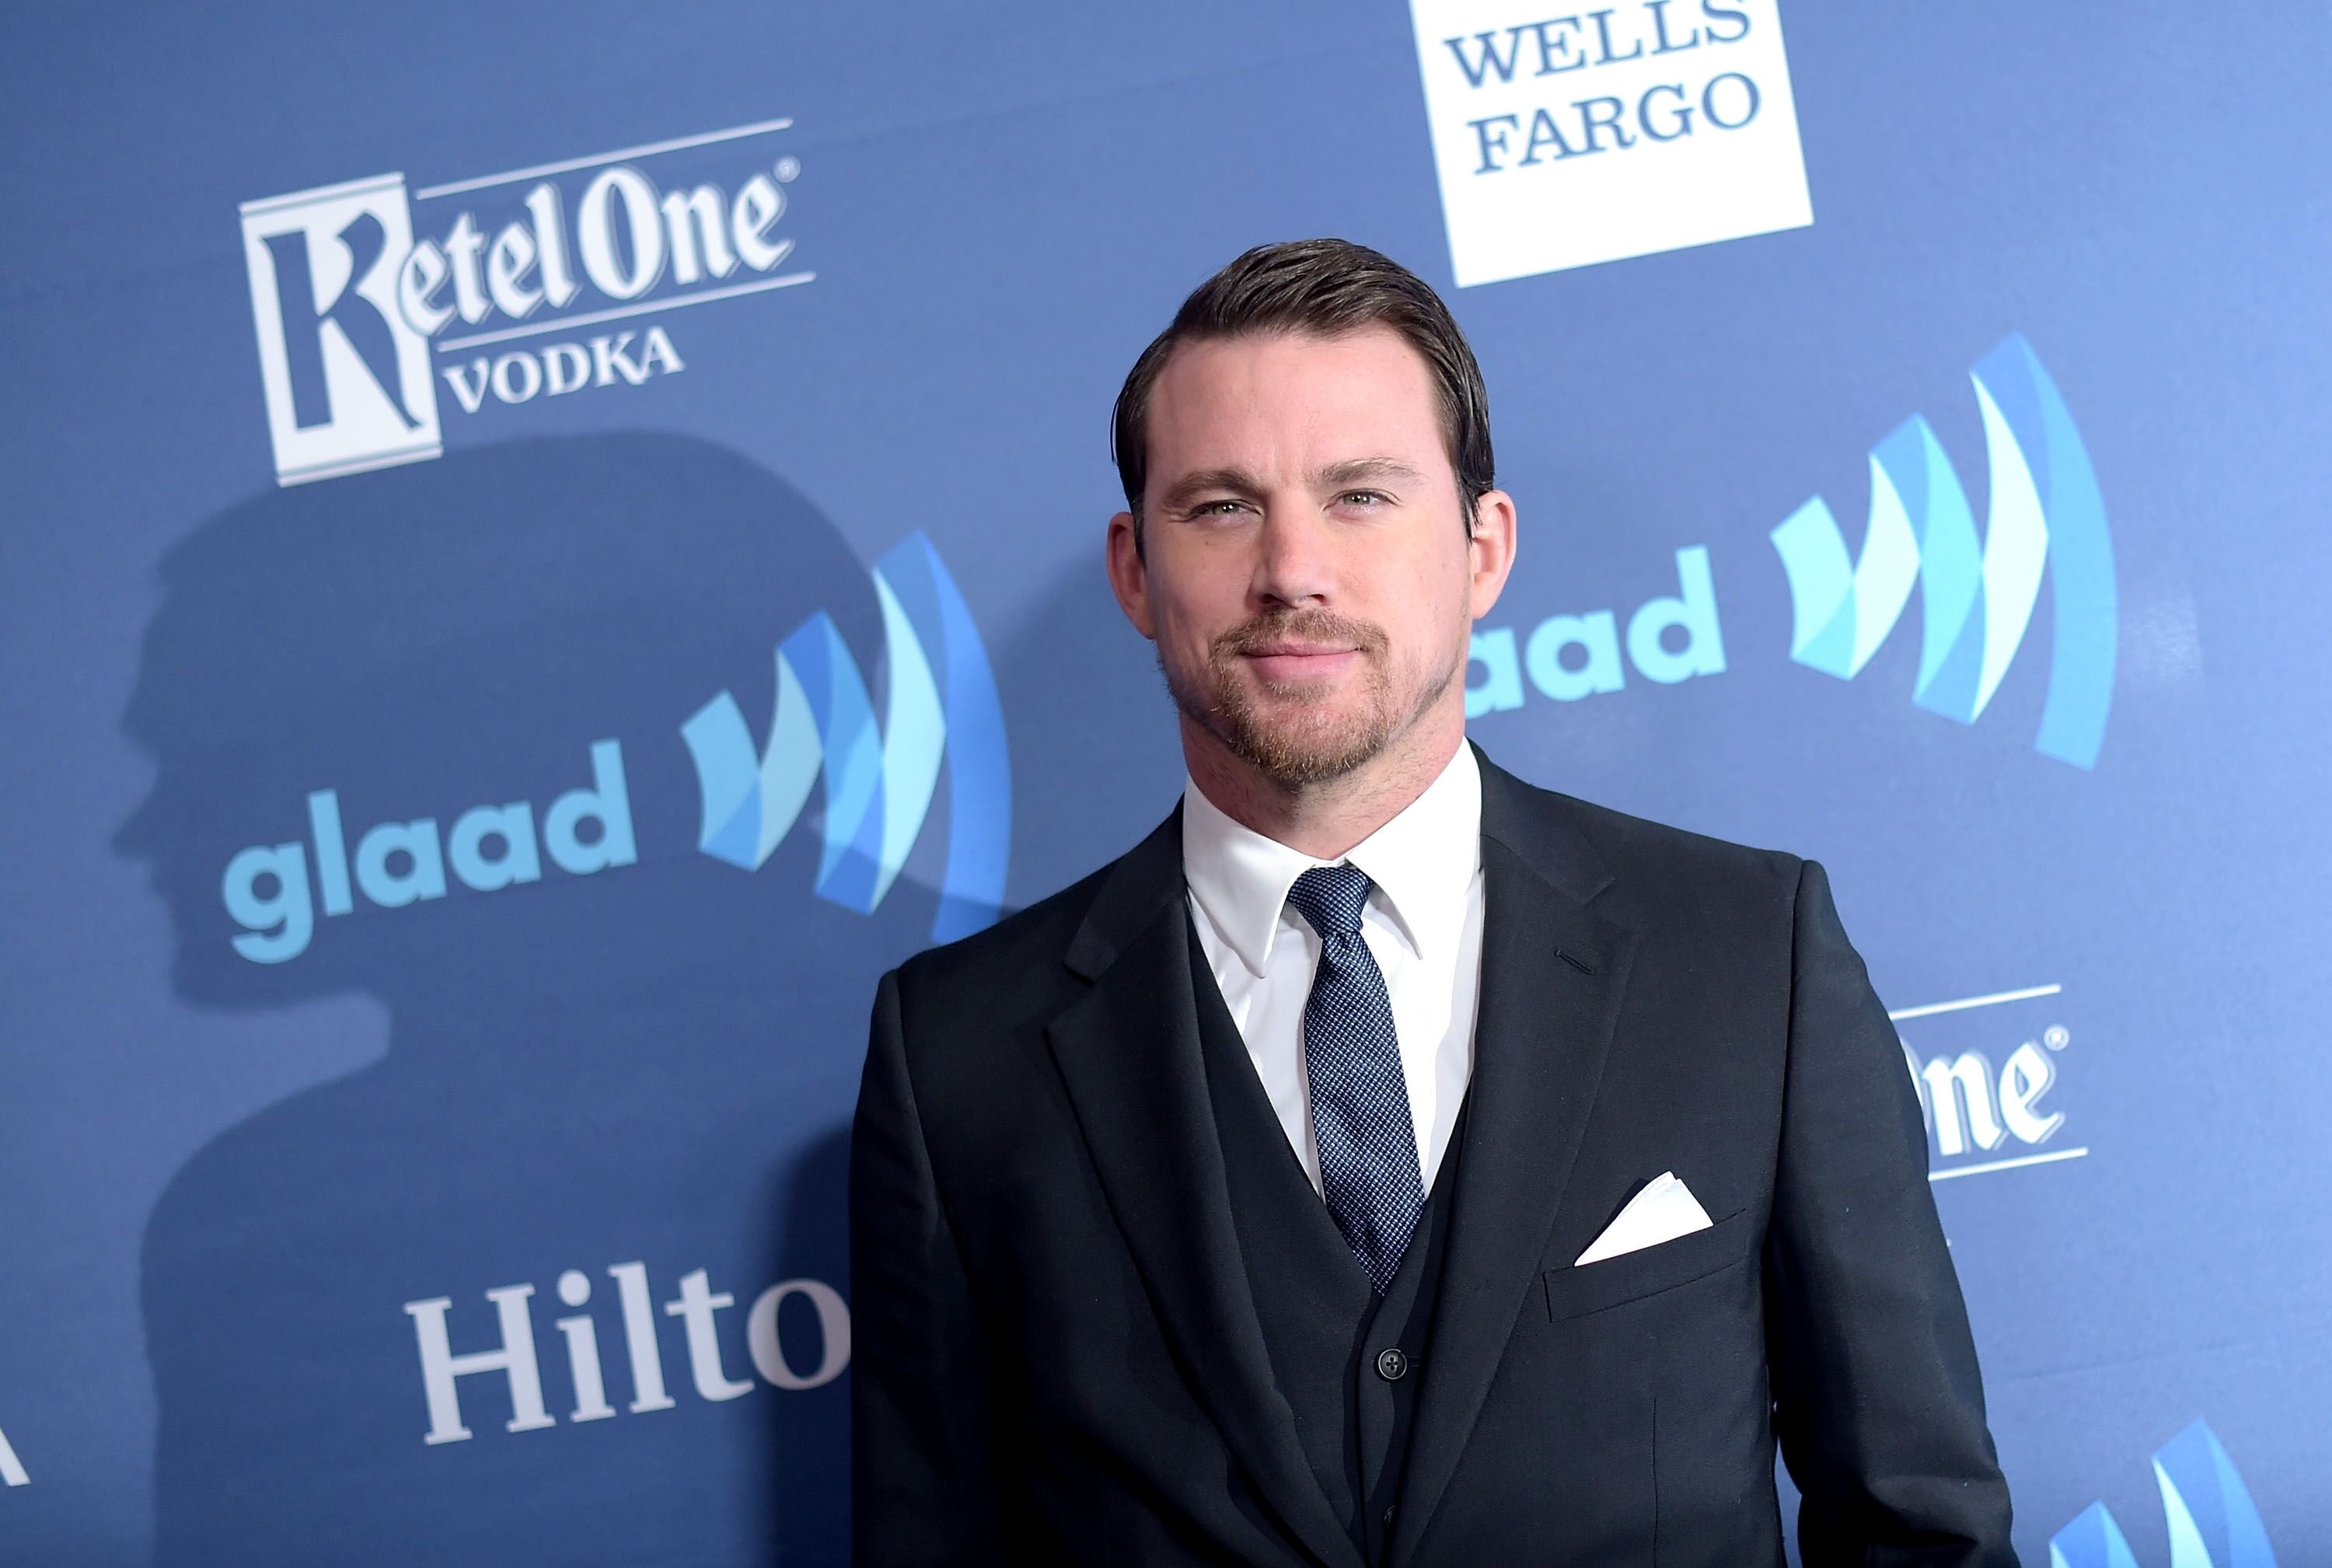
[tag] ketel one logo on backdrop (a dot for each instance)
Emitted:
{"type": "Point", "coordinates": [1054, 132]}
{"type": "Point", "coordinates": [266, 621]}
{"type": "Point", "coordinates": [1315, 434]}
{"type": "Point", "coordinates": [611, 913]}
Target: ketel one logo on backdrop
{"type": "Point", "coordinates": [879, 782]}
{"type": "Point", "coordinates": [1981, 1117]}
{"type": "Point", "coordinates": [1565, 139]}
{"type": "Point", "coordinates": [879, 786]}
{"type": "Point", "coordinates": [698, 1306]}
{"type": "Point", "coordinates": [1975, 601]}
{"type": "Point", "coordinates": [358, 321]}
{"type": "Point", "coordinates": [2213, 1522]}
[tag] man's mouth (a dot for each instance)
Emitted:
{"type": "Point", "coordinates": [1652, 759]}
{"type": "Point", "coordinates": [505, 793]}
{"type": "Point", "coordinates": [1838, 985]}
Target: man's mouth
{"type": "Point", "coordinates": [1298, 660]}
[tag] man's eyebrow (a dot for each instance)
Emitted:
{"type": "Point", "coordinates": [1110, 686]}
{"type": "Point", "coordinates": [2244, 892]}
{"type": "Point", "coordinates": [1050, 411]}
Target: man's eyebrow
{"type": "Point", "coordinates": [1360, 470]}
{"type": "Point", "coordinates": [1207, 481]}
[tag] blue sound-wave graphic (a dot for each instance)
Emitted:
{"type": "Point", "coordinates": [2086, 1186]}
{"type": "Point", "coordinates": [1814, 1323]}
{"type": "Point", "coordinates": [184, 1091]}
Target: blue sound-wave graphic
{"type": "Point", "coordinates": [1976, 599]}
{"type": "Point", "coordinates": [2211, 1521]}
{"type": "Point", "coordinates": [879, 780]}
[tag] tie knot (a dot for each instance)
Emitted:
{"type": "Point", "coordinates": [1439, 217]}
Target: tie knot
{"type": "Point", "coordinates": [1330, 898]}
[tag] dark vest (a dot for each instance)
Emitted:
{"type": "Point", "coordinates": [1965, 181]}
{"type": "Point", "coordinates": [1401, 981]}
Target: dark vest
{"type": "Point", "coordinates": [1346, 1360]}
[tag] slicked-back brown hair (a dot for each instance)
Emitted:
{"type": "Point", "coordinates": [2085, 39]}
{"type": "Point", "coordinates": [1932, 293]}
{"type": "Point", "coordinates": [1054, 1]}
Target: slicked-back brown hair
{"type": "Point", "coordinates": [1325, 288]}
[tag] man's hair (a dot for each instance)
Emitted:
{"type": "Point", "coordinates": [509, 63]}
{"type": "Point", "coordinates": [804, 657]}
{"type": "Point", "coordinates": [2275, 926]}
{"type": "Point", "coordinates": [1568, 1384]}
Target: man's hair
{"type": "Point", "coordinates": [1325, 288]}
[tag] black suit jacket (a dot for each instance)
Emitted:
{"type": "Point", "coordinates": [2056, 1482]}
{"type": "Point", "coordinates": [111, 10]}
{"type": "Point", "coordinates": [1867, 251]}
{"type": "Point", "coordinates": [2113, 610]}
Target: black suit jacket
{"type": "Point", "coordinates": [1058, 1356]}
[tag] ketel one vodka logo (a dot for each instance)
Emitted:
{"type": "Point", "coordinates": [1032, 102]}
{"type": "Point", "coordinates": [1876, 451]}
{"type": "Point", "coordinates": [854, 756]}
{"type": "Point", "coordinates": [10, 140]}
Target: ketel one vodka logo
{"type": "Point", "coordinates": [1984, 1068]}
{"type": "Point", "coordinates": [361, 314]}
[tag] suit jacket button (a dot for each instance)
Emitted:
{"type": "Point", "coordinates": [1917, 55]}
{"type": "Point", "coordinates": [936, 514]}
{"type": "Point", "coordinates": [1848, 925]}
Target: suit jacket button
{"type": "Point", "coordinates": [1392, 1365]}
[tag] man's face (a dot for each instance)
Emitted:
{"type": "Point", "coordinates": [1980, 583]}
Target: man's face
{"type": "Point", "coordinates": [1306, 570]}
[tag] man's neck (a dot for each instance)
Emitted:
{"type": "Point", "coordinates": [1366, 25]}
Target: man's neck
{"type": "Point", "coordinates": [1325, 820]}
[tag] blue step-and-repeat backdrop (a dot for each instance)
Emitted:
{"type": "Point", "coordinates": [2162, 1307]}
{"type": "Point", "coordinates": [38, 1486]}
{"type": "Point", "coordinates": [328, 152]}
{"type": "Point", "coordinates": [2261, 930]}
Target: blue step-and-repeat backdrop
{"type": "Point", "coordinates": [546, 546]}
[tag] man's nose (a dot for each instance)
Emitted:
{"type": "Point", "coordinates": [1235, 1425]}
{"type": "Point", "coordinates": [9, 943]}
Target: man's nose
{"type": "Point", "coordinates": [1294, 564]}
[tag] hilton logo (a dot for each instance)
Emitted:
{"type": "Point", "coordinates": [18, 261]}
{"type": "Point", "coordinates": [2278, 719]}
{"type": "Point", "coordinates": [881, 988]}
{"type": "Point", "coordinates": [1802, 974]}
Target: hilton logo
{"type": "Point", "coordinates": [698, 1306]}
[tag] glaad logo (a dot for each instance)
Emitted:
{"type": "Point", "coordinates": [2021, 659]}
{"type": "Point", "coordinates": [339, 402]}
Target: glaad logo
{"type": "Point", "coordinates": [879, 783]}
{"type": "Point", "coordinates": [348, 307]}
{"type": "Point", "coordinates": [1975, 602]}
{"type": "Point", "coordinates": [1692, 100]}
{"type": "Point", "coordinates": [490, 847]}
{"type": "Point", "coordinates": [878, 788]}
{"type": "Point", "coordinates": [2212, 1520]}
{"type": "Point", "coordinates": [1594, 637]}
{"type": "Point", "coordinates": [697, 1306]}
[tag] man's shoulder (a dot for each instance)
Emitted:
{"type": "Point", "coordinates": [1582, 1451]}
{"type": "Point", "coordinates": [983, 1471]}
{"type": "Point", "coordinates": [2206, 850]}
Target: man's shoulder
{"type": "Point", "coordinates": [1047, 923]}
{"type": "Point", "coordinates": [1023, 955]}
{"type": "Point", "coordinates": [1632, 849]}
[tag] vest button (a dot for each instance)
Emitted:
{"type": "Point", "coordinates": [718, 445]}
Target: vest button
{"type": "Point", "coordinates": [1392, 1364]}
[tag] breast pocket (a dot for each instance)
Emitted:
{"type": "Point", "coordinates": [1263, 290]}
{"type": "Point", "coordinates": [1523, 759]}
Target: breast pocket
{"type": "Point", "coordinates": [1576, 1291]}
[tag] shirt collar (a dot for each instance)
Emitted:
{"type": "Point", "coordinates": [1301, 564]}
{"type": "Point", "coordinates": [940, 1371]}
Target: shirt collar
{"type": "Point", "coordinates": [1423, 862]}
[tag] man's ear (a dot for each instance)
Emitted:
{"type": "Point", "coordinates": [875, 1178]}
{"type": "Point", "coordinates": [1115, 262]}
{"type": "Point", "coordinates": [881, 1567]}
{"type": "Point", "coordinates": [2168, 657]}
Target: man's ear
{"type": "Point", "coordinates": [1129, 575]}
{"type": "Point", "coordinates": [1491, 547]}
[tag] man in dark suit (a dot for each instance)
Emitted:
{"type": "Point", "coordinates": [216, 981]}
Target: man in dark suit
{"type": "Point", "coordinates": [1387, 1160]}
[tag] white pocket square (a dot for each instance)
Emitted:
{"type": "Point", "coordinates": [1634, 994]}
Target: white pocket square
{"type": "Point", "coordinates": [1664, 1211]}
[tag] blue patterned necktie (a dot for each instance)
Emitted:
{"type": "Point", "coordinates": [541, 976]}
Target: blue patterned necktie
{"type": "Point", "coordinates": [1360, 1100]}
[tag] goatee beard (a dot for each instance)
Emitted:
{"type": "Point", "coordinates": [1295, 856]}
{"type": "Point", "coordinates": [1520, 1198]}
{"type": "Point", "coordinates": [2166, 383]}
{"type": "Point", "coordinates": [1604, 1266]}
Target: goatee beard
{"type": "Point", "coordinates": [1314, 743]}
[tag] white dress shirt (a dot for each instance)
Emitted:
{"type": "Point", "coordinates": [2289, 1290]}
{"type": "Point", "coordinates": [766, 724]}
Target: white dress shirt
{"type": "Point", "coordinates": [1423, 925]}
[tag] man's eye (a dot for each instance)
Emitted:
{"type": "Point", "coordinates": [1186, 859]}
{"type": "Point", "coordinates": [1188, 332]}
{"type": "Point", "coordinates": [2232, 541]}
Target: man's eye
{"type": "Point", "coordinates": [1215, 507]}
{"type": "Point", "coordinates": [1360, 498]}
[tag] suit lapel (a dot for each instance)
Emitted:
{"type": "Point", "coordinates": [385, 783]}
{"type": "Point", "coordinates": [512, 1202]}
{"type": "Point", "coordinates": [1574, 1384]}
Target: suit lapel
{"type": "Point", "coordinates": [1129, 1054]}
{"type": "Point", "coordinates": [1552, 973]}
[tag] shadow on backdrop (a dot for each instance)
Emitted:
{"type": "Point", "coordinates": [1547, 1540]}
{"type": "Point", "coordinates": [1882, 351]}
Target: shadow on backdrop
{"type": "Point", "coordinates": [648, 1062]}
{"type": "Point", "coordinates": [1096, 758]}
